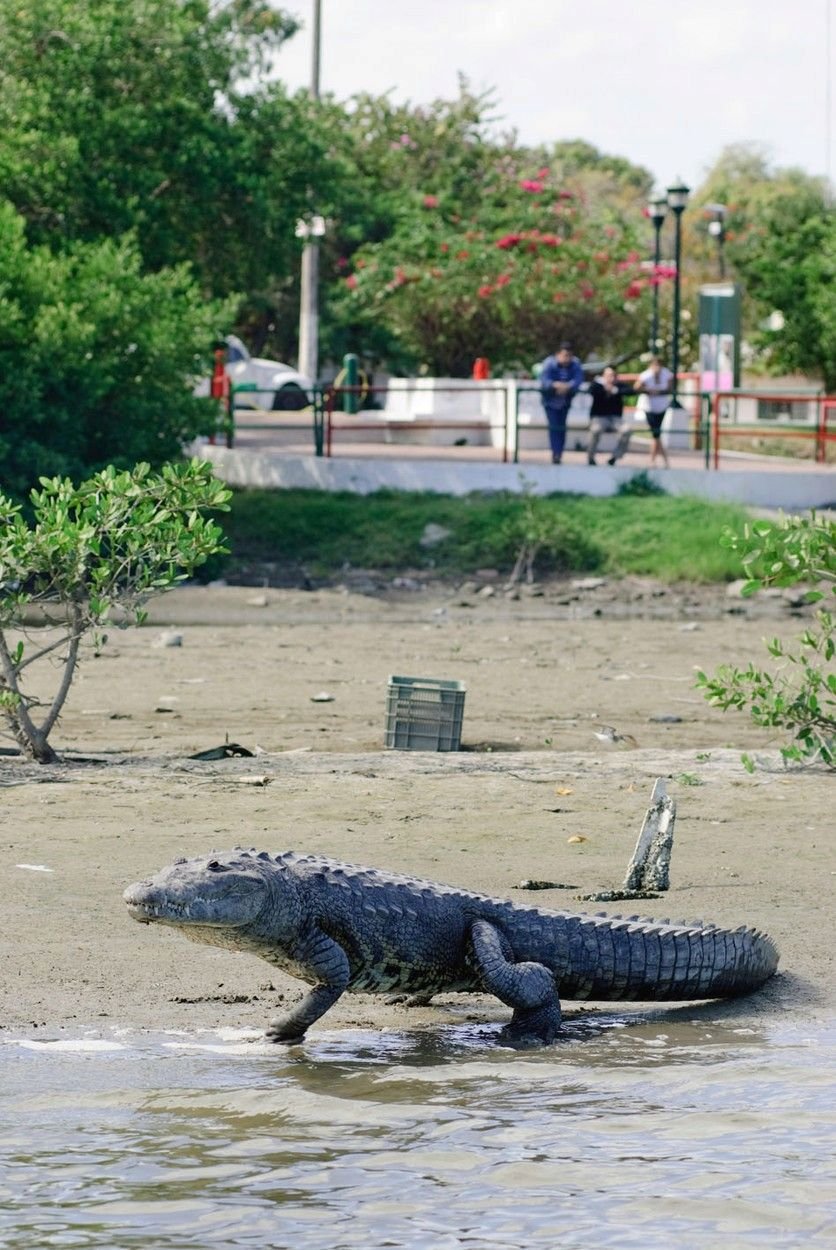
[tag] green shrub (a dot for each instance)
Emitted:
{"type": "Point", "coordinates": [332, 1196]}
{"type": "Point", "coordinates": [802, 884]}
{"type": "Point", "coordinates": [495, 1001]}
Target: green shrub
{"type": "Point", "coordinates": [800, 696]}
{"type": "Point", "coordinates": [105, 546]}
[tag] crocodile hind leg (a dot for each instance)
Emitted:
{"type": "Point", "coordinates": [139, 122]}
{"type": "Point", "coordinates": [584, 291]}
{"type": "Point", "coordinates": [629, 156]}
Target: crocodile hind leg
{"type": "Point", "coordinates": [528, 988]}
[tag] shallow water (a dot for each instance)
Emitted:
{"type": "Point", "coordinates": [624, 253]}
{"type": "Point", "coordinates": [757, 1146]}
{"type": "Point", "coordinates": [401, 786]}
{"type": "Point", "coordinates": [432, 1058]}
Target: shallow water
{"type": "Point", "coordinates": [647, 1133]}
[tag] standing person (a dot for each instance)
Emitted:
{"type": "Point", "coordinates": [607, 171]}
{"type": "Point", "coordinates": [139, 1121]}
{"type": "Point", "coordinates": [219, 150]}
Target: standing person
{"type": "Point", "coordinates": [607, 414]}
{"type": "Point", "coordinates": [655, 383]}
{"type": "Point", "coordinates": [560, 380]}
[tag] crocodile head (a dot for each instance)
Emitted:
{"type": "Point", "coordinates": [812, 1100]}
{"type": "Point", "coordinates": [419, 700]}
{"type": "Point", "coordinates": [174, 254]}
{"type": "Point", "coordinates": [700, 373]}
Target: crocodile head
{"type": "Point", "coordinates": [227, 892]}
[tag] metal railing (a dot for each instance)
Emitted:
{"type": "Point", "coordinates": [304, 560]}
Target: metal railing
{"type": "Point", "coordinates": [337, 411]}
{"type": "Point", "coordinates": [818, 432]}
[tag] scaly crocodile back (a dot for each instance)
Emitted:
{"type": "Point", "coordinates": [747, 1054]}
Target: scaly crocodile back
{"type": "Point", "coordinates": [592, 957]}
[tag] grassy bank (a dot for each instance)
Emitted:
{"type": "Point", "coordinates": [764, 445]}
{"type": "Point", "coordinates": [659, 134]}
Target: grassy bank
{"type": "Point", "coordinates": [320, 532]}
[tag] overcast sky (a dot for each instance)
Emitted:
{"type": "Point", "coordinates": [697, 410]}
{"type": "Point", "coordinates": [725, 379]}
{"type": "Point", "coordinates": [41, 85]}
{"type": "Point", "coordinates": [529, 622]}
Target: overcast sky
{"type": "Point", "coordinates": [665, 83]}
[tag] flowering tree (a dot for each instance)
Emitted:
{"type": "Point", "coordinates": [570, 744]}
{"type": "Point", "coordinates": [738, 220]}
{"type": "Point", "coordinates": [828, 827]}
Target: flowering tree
{"type": "Point", "coordinates": [537, 257]}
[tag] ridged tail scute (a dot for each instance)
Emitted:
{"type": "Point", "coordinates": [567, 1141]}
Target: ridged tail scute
{"type": "Point", "coordinates": [632, 958]}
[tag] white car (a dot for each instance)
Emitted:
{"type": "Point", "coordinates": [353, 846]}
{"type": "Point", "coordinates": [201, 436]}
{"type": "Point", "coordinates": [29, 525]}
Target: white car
{"type": "Point", "coordinates": [268, 383]}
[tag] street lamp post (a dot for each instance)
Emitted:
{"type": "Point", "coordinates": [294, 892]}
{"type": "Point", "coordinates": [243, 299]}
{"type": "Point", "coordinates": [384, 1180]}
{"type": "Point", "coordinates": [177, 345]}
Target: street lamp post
{"type": "Point", "coordinates": [656, 209]}
{"type": "Point", "coordinates": [677, 199]}
{"type": "Point", "coordinates": [717, 230]}
{"type": "Point", "coordinates": [311, 232]}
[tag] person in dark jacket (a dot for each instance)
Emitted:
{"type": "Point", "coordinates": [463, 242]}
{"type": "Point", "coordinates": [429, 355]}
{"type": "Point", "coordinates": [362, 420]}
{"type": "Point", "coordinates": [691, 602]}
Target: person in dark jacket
{"type": "Point", "coordinates": [560, 379]}
{"type": "Point", "coordinates": [606, 414]}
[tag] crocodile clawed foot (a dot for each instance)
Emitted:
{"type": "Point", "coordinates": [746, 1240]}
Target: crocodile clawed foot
{"type": "Point", "coordinates": [535, 1026]}
{"type": "Point", "coordinates": [288, 1035]}
{"type": "Point", "coordinates": [421, 999]}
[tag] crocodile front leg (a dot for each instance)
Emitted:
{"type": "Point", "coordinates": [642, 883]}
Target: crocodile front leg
{"type": "Point", "coordinates": [327, 962]}
{"type": "Point", "coordinates": [528, 988]}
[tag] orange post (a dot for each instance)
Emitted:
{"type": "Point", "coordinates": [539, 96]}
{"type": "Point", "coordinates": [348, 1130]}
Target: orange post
{"type": "Point", "coordinates": [219, 384]}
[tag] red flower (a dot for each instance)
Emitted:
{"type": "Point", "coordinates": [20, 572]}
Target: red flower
{"type": "Point", "coordinates": [462, 255]}
{"type": "Point", "coordinates": [533, 185]}
{"type": "Point", "coordinates": [430, 201]}
{"type": "Point", "coordinates": [544, 172]}
{"type": "Point", "coordinates": [634, 290]}
{"type": "Point", "coordinates": [445, 247]}
{"type": "Point", "coordinates": [610, 232]}
{"type": "Point", "coordinates": [587, 291]}
{"type": "Point", "coordinates": [351, 282]}
{"type": "Point", "coordinates": [565, 195]}
{"type": "Point", "coordinates": [508, 241]}
{"type": "Point", "coordinates": [503, 279]}
{"type": "Point", "coordinates": [485, 291]}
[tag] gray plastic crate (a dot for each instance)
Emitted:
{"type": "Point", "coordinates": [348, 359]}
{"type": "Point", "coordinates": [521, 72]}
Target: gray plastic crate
{"type": "Point", "coordinates": [424, 714]}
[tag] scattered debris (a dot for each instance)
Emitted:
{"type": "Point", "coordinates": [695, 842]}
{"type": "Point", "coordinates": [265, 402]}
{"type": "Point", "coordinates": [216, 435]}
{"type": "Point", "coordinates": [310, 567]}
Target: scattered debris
{"type": "Point", "coordinates": [225, 752]}
{"type": "Point", "coordinates": [544, 885]}
{"type": "Point", "coordinates": [254, 779]}
{"type": "Point", "coordinates": [616, 896]}
{"type": "Point", "coordinates": [322, 697]}
{"type": "Point", "coordinates": [35, 867]}
{"type": "Point", "coordinates": [166, 703]}
{"type": "Point", "coordinates": [168, 638]}
{"type": "Point", "coordinates": [588, 583]}
{"type": "Point", "coordinates": [665, 718]}
{"type": "Point", "coordinates": [575, 838]}
{"type": "Point", "coordinates": [258, 601]}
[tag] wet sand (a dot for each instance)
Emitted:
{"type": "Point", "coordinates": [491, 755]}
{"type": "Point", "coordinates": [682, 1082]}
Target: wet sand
{"type": "Point", "coordinates": [543, 674]}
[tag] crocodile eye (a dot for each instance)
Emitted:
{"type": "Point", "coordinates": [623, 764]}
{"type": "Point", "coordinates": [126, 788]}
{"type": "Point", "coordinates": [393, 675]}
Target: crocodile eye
{"type": "Point", "coordinates": [215, 865]}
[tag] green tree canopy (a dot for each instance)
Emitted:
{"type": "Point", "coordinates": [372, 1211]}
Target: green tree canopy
{"type": "Point", "coordinates": [98, 359]}
{"type": "Point", "coordinates": [474, 245]}
{"type": "Point", "coordinates": [157, 116]}
{"type": "Point", "coordinates": [781, 244]}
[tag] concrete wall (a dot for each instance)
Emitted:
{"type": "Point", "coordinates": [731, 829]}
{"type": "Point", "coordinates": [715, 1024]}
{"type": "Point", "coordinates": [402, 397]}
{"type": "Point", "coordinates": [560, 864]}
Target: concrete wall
{"type": "Point", "coordinates": [793, 490]}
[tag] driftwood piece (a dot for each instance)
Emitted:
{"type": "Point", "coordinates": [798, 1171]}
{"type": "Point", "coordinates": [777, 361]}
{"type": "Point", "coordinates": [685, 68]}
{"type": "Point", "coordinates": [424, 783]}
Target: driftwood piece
{"type": "Point", "coordinates": [650, 866]}
{"type": "Point", "coordinates": [649, 869]}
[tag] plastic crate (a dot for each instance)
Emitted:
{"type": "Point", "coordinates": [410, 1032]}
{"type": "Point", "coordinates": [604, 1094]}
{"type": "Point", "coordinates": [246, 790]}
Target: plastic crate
{"type": "Point", "coordinates": [424, 714]}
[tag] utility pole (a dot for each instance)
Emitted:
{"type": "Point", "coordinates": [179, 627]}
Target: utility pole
{"type": "Point", "coordinates": [311, 232]}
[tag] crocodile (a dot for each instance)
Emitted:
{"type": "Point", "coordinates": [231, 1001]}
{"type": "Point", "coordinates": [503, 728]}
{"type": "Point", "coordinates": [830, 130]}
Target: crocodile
{"type": "Point", "coordinates": [340, 927]}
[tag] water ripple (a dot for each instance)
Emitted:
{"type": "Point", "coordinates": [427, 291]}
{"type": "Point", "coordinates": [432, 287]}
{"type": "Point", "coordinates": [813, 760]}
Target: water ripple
{"type": "Point", "coordinates": [629, 1133]}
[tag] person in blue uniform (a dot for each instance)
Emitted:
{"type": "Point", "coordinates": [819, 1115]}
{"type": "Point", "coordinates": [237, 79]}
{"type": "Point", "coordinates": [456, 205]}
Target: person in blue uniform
{"type": "Point", "coordinates": [560, 379]}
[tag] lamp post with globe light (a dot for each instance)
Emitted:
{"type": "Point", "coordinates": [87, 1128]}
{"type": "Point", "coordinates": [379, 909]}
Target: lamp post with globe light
{"type": "Point", "coordinates": [311, 231]}
{"type": "Point", "coordinates": [656, 211]}
{"type": "Point", "coordinates": [717, 230]}
{"type": "Point", "coordinates": [677, 199]}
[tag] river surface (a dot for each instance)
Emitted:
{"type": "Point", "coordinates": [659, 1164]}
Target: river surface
{"type": "Point", "coordinates": [669, 1131]}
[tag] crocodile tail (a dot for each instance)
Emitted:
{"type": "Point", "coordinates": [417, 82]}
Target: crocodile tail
{"type": "Point", "coordinates": [629, 958]}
